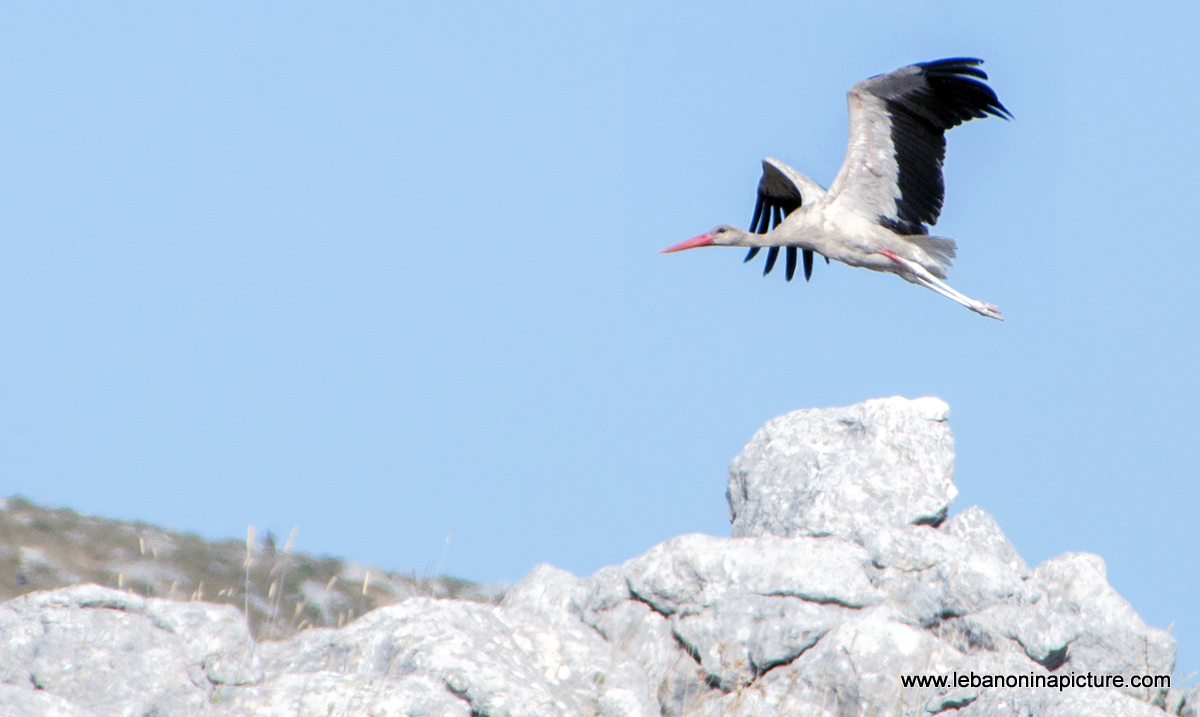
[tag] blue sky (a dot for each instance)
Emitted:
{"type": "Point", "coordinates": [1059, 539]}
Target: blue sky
{"type": "Point", "coordinates": [390, 273]}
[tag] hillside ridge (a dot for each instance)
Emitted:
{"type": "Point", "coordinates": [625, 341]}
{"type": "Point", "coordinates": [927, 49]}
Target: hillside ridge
{"type": "Point", "coordinates": [45, 548]}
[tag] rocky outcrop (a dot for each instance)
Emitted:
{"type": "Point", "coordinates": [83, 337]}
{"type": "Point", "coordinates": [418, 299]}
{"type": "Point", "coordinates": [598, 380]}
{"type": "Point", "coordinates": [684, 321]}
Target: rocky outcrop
{"type": "Point", "coordinates": [845, 471]}
{"type": "Point", "coordinates": [843, 578]}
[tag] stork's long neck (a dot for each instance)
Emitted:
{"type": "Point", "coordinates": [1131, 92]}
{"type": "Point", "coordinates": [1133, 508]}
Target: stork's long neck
{"type": "Point", "coordinates": [794, 231]}
{"type": "Point", "coordinates": [745, 238]}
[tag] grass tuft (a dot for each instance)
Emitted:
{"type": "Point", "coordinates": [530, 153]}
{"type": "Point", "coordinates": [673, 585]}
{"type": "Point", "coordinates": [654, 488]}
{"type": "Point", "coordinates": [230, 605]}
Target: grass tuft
{"type": "Point", "coordinates": [281, 592]}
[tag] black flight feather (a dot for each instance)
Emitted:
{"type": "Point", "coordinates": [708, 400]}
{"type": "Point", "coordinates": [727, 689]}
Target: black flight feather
{"type": "Point", "coordinates": [772, 255]}
{"type": "Point", "coordinates": [942, 94]}
{"type": "Point", "coordinates": [777, 198]}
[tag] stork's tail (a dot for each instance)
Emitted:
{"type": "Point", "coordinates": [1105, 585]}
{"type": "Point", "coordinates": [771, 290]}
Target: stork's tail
{"type": "Point", "coordinates": [940, 250]}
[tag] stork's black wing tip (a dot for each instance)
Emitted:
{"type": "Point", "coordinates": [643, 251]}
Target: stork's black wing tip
{"type": "Point", "coordinates": [758, 207]}
{"type": "Point", "coordinates": [968, 65]}
{"type": "Point", "coordinates": [772, 255]}
{"type": "Point", "coordinates": [964, 73]}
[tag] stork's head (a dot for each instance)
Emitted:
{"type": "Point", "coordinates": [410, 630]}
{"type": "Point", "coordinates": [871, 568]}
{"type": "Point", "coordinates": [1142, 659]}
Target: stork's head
{"type": "Point", "coordinates": [724, 235]}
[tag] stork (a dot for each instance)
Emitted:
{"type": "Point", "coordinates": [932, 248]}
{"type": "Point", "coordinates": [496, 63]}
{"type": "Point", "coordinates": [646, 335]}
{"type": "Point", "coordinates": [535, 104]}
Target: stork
{"type": "Point", "coordinates": [889, 188]}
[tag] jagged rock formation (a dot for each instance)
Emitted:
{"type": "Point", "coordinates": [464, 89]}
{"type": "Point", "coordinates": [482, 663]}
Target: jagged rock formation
{"type": "Point", "coordinates": [845, 471]}
{"type": "Point", "coordinates": [843, 576]}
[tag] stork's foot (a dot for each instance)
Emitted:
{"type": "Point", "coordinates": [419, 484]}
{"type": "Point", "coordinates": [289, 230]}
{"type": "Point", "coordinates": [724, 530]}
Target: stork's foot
{"type": "Point", "coordinates": [985, 309]}
{"type": "Point", "coordinates": [920, 275]}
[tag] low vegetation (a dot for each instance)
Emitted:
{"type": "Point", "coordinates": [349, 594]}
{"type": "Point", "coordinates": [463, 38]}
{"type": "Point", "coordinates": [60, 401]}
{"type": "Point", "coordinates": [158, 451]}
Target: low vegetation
{"type": "Point", "coordinates": [281, 590]}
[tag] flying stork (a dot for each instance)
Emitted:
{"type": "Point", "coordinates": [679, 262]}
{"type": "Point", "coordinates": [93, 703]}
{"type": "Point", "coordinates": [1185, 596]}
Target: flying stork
{"type": "Point", "coordinates": [889, 188]}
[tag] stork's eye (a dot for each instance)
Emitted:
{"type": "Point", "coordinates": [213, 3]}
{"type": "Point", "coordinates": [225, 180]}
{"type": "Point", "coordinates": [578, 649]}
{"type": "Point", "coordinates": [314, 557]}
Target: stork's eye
{"type": "Point", "coordinates": [720, 230]}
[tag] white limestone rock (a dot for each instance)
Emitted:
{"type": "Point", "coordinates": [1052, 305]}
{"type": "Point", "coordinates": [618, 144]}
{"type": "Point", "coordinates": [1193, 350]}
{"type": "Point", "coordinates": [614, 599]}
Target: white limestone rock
{"type": "Point", "coordinates": [1069, 618]}
{"type": "Point", "coordinates": [845, 471]}
{"type": "Point", "coordinates": [854, 670]}
{"type": "Point", "coordinates": [744, 636]}
{"type": "Point", "coordinates": [981, 532]}
{"type": "Point", "coordinates": [419, 653]}
{"type": "Point", "coordinates": [547, 591]}
{"type": "Point", "coordinates": [1189, 702]}
{"type": "Point", "coordinates": [27, 701]}
{"type": "Point", "coordinates": [737, 607]}
{"type": "Point", "coordinates": [841, 579]}
{"type": "Point", "coordinates": [331, 693]}
{"type": "Point", "coordinates": [1055, 703]}
{"type": "Point", "coordinates": [693, 571]}
{"type": "Point", "coordinates": [646, 639]}
{"type": "Point", "coordinates": [107, 652]}
{"type": "Point", "coordinates": [931, 576]}
{"type": "Point", "coordinates": [992, 701]}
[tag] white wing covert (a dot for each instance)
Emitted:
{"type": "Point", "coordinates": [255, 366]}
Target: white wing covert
{"type": "Point", "coordinates": [893, 167]}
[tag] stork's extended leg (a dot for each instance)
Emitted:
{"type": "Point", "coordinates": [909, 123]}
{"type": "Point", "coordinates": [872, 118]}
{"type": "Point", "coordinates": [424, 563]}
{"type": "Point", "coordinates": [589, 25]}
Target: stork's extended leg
{"type": "Point", "coordinates": [929, 281]}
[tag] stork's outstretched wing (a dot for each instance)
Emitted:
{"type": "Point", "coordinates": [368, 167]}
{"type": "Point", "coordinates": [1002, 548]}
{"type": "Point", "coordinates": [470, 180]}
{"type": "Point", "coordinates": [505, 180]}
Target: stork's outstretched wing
{"type": "Point", "coordinates": [893, 167]}
{"type": "Point", "coordinates": [781, 191]}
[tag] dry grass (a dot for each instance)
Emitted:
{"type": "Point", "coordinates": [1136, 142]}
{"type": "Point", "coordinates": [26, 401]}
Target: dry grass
{"type": "Point", "coordinates": [281, 591]}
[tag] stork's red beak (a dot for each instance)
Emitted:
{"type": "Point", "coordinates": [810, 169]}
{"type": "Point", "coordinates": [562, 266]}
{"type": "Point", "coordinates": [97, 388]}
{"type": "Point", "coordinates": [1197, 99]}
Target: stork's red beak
{"type": "Point", "coordinates": [702, 240]}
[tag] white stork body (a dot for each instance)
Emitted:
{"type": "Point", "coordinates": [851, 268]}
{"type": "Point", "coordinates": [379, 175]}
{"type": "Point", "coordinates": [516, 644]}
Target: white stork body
{"type": "Point", "coordinates": [889, 188]}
